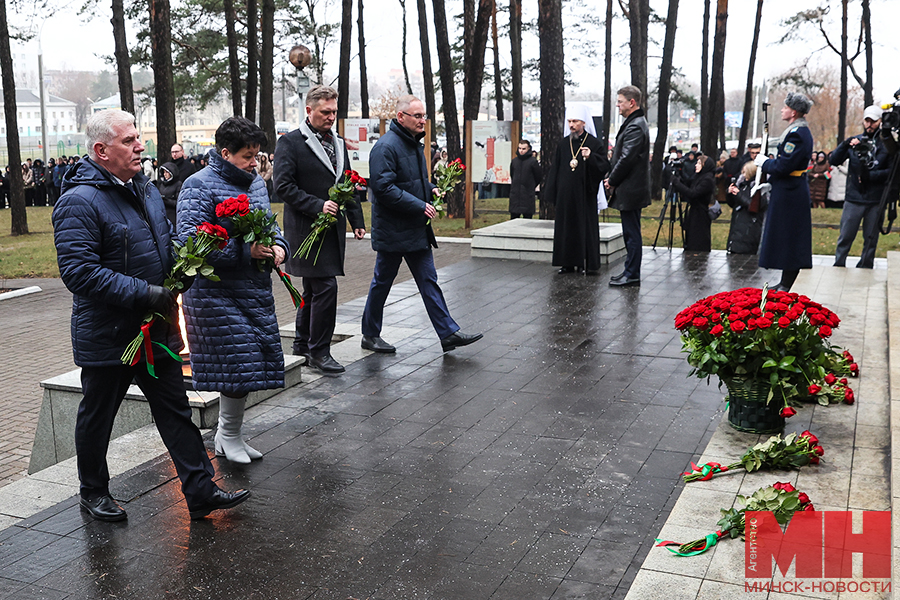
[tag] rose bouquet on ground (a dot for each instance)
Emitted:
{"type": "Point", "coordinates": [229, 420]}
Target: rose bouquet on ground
{"type": "Point", "coordinates": [190, 261]}
{"type": "Point", "coordinates": [446, 177]}
{"type": "Point", "coordinates": [258, 226]}
{"type": "Point", "coordinates": [340, 193]}
{"type": "Point", "coordinates": [782, 339]}
{"type": "Point", "coordinates": [782, 499]}
{"type": "Point", "coordinates": [791, 452]}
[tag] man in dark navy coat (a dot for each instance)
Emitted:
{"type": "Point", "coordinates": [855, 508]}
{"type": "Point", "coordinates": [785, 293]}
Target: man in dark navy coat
{"type": "Point", "coordinates": [401, 227]}
{"type": "Point", "coordinates": [114, 252]}
{"type": "Point", "coordinates": [308, 161]}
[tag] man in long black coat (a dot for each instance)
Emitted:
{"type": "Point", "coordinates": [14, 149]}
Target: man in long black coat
{"type": "Point", "coordinates": [578, 168]}
{"type": "Point", "coordinates": [308, 161]}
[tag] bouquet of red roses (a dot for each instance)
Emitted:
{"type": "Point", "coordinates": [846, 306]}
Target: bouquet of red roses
{"type": "Point", "coordinates": [782, 499]}
{"type": "Point", "coordinates": [792, 452]}
{"type": "Point", "coordinates": [447, 177]}
{"type": "Point", "coordinates": [190, 261]}
{"type": "Point", "coordinates": [340, 193]}
{"type": "Point", "coordinates": [256, 226]}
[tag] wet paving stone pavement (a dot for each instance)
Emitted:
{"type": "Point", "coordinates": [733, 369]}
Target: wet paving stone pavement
{"type": "Point", "coordinates": [537, 463]}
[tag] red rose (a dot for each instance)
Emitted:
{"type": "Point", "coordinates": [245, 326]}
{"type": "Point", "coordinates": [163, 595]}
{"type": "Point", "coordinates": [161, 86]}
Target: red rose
{"type": "Point", "coordinates": [348, 172]}
{"type": "Point", "coordinates": [814, 389]}
{"type": "Point", "coordinates": [787, 412]}
{"type": "Point", "coordinates": [813, 460]}
{"type": "Point", "coordinates": [717, 330]}
{"type": "Point", "coordinates": [830, 378]}
{"type": "Point", "coordinates": [363, 182]}
{"type": "Point", "coordinates": [803, 498]}
{"type": "Point", "coordinates": [738, 326]}
{"type": "Point", "coordinates": [784, 322]}
{"type": "Point", "coordinates": [763, 323]}
{"type": "Point", "coordinates": [700, 322]}
{"type": "Point", "coordinates": [785, 487]}
{"type": "Point", "coordinates": [214, 231]}
{"type": "Point", "coordinates": [813, 440]}
{"type": "Point", "coordinates": [824, 331]}
{"type": "Point", "coordinates": [243, 198]}
{"type": "Point", "coordinates": [846, 354]}
{"type": "Point", "coordinates": [755, 311]}
{"type": "Point", "coordinates": [844, 380]}
{"type": "Point", "coordinates": [854, 369]}
{"type": "Point", "coordinates": [819, 450]}
{"type": "Point", "coordinates": [848, 396]}
{"type": "Point", "coordinates": [809, 508]}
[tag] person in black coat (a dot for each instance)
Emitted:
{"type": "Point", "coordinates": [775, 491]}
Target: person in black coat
{"type": "Point", "coordinates": [525, 174]}
{"type": "Point", "coordinates": [628, 184]}
{"type": "Point", "coordinates": [114, 252]}
{"type": "Point", "coordinates": [169, 185]}
{"type": "Point", "coordinates": [308, 161]}
{"type": "Point", "coordinates": [577, 170]}
{"type": "Point", "coordinates": [748, 212]}
{"type": "Point", "coordinates": [698, 194]}
{"type": "Point", "coordinates": [402, 211]}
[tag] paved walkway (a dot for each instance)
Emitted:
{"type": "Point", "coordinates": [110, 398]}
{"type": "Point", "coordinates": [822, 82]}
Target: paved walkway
{"type": "Point", "coordinates": [36, 344]}
{"type": "Point", "coordinates": [538, 463]}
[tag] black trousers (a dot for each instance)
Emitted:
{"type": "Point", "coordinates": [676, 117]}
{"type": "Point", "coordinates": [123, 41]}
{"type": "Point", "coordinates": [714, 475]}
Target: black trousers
{"type": "Point", "coordinates": [104, 389]}
{"type": "Point", "coordinates": [314, 327]}
{"type": "Point", "coordinates": [631, 232]}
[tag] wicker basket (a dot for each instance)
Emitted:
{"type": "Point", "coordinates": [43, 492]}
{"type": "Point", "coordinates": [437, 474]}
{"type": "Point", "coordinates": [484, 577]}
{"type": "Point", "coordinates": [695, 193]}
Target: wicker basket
{"type": "Point", "coordinates": [747, 408]}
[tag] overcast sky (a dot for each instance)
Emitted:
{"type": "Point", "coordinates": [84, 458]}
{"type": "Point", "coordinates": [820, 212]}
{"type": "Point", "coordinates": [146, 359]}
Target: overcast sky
{"type": "Point", "coordinates": [70, 42]}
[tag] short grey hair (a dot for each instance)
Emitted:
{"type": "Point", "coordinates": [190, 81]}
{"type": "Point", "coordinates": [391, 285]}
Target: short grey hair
{"type": "Point", "coordinates": [320, 93]}
{"type": "Point", "coordinates": [100, 128]}
{"type": "Point", "coordinates": [405, 101]}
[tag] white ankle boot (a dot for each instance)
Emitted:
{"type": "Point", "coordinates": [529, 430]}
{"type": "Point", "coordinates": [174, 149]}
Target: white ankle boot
{"type": "Point", "coordinates": [229, 441]}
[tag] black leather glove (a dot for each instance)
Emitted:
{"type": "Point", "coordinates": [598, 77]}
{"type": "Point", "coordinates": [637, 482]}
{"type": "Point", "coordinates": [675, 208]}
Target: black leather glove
{"type": "Point", "coordinates": [186, 283]}
{"type": "Point", "coordinates": [160, 299]}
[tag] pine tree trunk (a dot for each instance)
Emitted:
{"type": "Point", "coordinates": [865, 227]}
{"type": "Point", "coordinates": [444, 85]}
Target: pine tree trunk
{"type": "Point", "coordinates": [665, 79]}
{"type": "Point", "coordinates": [715, 117]}
{"type": "Point", "coordinates": [867, 40]}
{"type": "Point", "coordinates": [639, 20]}
{"type": "Point", "coordinates": [748, 93]}
{"type": "Point", "coordinates": [18, 214]}
{"type": "Point", "coordinates": [123, 61]}
{"type": "Point", "coordinates": [456, 204]}
{"type": "Point", "coordinates": [403, 53]}
{"type": "Point", "coordinates": [704, 71]}
{"type": "Point", "coordinates": [474, 72]}
{"type": "Point", "coordinates": [427, 74]}
{"type": "Point", "coordinates": [498, 78]}
{"type": "Point", "coordinates": [842, 107]}
{"type": "Point", "coordinates": [607, 78]}
{"type": "Point", "coordinates": [553, 87]}
{"type": "Point", "coordinates": [163, 85]}
{"type": "Point", "coordinates": [515, 42]}
{"type": "Point", "coordinates": [363, 75]}
{"type": "Point", "coordinates": [234, 67]}
{"type": "Point", "coordinates": [267, 75]}
{"type": "Point", "coordinates": [344, 64]}
{"type": "Point", "coordinates": [252, 58]}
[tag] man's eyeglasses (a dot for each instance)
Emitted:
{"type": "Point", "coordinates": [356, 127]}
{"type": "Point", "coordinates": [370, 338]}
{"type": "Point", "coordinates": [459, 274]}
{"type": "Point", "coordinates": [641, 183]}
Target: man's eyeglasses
{"type": "Point", "coordinates": [416, 117]}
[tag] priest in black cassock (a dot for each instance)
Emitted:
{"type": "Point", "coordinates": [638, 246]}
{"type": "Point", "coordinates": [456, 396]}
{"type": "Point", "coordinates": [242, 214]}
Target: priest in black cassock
{"type": "Point", "coordinates": [578, 168]}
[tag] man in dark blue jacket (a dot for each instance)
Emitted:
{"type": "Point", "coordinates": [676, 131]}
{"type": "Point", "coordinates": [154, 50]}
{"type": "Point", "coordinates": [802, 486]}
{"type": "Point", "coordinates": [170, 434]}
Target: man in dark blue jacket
{"type": "Point", "coordinates": [114, 252]}
{"type": "Point", "coordinates": [867, 175]}
{"type": "Point", "coordinates": [401, 227]}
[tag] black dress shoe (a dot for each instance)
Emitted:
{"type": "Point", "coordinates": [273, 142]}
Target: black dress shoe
{"type": "Point", "coordinates": [303, 355]}
{"type": "Point", "coordinates": [459, 339]}
{"type": "Point", "coordinates": [104, 508]}
{"type": "Point", "coordinates": [564, 270]}
{"type": "Point", "coordinates": [618, 277]}
{"type": "Point", "coordinates": [326, 364]}
{"type": "Point", "coordinates": [376, 344]}
{"type": "Point", "coordinates": [218, 501]}
{"type": "Point", "coordinates": [625, 281]}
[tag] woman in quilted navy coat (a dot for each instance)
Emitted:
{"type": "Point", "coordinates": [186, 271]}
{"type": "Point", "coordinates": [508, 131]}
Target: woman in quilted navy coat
{"type": "Point", "coordinates": [231, 325]}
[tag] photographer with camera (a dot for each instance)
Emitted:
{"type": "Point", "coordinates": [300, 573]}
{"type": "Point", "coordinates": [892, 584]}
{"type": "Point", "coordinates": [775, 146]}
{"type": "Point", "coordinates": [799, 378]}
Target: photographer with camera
{"type": "Point", "coordinates": [866, 178]}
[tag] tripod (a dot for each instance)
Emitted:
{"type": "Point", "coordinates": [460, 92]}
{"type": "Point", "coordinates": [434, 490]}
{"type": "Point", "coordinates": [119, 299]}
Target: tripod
{"type": "Point", "coordinates": [672, 203]}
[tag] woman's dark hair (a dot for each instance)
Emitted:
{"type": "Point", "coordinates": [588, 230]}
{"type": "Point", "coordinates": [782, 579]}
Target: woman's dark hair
{"type": "Point", "coordinates": [237, 133]}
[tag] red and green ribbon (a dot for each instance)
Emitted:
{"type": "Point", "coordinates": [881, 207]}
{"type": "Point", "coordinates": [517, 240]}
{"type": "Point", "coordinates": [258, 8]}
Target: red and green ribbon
{"type": "Point", "coordinates": [296, 297]}
{"type": "Point", "coordinates": [692, 548]}
{"type": "Point", "coordinates": [706, 471]}
{"type": "Point", "coordinates": [148, 349]}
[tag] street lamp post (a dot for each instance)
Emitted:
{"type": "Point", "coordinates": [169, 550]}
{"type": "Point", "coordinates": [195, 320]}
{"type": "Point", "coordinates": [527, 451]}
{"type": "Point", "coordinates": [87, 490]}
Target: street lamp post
{"type": "Point", "coordinates": [43, 96]}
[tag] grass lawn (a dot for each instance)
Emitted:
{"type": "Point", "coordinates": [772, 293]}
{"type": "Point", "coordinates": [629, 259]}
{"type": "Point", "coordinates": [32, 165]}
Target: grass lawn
{"type": "Point", "coordinates": [34, 255]}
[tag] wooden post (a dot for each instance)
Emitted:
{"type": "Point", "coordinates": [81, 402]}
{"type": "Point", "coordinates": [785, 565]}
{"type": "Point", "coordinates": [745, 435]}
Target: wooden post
{"type": "Point", "coordinates": [427, 149]}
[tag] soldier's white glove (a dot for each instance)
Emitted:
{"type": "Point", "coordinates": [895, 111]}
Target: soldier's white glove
{"type": "Point", "coordinates": [762, 188]}
{"type": "Point", "coordinates": [760, 160]}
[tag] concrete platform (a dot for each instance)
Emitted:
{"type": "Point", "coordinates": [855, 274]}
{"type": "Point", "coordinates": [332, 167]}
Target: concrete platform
{"type": "Point", "coordinates": [532, 239]}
